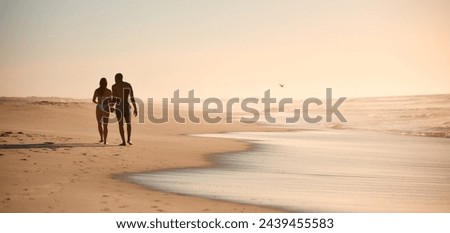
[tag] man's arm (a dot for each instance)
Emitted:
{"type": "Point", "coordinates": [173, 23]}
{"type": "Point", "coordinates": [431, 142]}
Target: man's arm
{"type": "Point", "coordinates": [114, 94]}
{"type": "Point", "coordinates": [133, 101]}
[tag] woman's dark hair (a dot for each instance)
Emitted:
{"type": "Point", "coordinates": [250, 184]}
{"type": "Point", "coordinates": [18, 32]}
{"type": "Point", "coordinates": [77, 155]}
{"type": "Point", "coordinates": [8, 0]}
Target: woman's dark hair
{"type": "Point", "coordinates": [103, 84]}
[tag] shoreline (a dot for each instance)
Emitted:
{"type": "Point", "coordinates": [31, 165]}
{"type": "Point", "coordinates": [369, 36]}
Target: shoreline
{"type": "Point", "coordinates": [141, 192]}
{"type": "Point", "coordinates": [225, 180]}
{"type": "Point", "coordinates": [82, 179]}
{"type": "Point", "coordinates": [212, 162]}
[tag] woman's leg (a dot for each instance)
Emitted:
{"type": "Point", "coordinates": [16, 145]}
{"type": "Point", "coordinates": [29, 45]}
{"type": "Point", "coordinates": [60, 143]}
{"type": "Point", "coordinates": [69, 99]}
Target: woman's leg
{"type": "Point", "coordinates": [105, 127]}
{"type": "Point", "coordinates": [99, 123]}
{"type": "Point", "coordinates": [105, 132]}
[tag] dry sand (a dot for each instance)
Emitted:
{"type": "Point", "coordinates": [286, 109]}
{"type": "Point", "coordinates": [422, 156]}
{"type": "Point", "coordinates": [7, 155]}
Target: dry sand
{"type": "Point", "coordinates": [50, 160]}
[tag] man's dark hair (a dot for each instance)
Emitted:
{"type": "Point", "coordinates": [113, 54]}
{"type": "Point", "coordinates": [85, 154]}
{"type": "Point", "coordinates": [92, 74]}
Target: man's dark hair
{"type": "Point", "coordinates": [118, 76]}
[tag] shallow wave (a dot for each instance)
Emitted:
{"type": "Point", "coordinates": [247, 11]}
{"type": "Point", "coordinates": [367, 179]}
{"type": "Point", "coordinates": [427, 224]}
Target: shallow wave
{"type": "Point", "coordinates": [322, 171]}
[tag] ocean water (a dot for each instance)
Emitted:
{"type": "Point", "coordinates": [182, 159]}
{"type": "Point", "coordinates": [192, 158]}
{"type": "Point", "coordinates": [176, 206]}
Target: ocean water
{"type": "Point", "coordinates": [322, 170]}
{"type": "Point", "coordinates": [427, 116]}
{"type": "Point", "coordinates": [392, 155]}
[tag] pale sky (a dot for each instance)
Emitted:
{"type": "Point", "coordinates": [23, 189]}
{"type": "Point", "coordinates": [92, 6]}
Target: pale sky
{"type": "Point", "coordinates": [225, 48]}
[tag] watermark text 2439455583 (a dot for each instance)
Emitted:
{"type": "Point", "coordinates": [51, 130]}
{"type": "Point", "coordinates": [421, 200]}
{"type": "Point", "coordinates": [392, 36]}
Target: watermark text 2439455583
{"type": "Point", "coordinates": [215, 110]}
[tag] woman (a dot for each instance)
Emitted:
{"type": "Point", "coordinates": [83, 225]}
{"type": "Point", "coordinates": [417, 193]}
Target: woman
{"type": "Point", "coordinates": [102, 97]}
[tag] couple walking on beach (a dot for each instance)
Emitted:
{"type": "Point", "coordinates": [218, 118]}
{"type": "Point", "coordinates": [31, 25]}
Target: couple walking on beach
{"type": "Point", "coordinates": [116, 100]}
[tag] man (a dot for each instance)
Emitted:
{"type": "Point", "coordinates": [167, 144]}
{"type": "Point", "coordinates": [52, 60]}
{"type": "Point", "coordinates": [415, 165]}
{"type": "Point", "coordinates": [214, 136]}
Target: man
{"type": "Point", "coordinates": [121, 91]}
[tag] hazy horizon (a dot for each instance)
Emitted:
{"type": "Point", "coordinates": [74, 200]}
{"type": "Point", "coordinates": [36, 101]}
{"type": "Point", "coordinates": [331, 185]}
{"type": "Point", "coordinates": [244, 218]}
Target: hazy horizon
{"type": "Point", "coordinates": [184, 95]}
{"type": "Point", "coordinates": [227, 48]}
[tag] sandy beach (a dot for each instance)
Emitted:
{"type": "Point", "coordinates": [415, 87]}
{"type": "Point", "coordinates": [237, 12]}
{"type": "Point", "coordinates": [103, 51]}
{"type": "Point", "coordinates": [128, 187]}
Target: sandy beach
{"type": "Point", "coordinates": [50, 160]}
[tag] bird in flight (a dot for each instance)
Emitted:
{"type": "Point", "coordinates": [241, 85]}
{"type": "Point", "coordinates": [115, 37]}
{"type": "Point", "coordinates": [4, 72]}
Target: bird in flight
{"type": "Point", "coordinates": [281, 85]}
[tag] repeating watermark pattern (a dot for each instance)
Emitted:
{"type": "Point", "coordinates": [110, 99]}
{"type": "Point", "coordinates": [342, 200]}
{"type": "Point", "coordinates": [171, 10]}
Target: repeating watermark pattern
{"type": "Point", "coordinates": [213, 109]}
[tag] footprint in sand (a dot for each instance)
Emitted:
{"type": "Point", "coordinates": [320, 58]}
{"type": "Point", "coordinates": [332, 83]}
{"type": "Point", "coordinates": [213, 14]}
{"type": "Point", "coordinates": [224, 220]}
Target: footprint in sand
{"type": "Point", "coordinates": [5, 134]}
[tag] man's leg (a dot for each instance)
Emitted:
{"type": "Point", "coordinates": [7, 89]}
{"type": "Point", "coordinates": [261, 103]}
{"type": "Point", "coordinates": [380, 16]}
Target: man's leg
{"type": "Point", "coordinates": [122, 134]}
{"type": "Point", "coordinates": [129, 134]}
{"type": "Point", "coordinates": [120, 120]}
{"type": "Point", "coordinates": [128, 122]}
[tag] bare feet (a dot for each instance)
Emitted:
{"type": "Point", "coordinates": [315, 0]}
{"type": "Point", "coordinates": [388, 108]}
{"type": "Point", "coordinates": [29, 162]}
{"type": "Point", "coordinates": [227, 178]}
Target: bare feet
{"type": "Point", "coordinates": [130, 142]}
{"type": "Point", "coordinates": [101, 140]}
{"type": "Point", "coordinates": [123, 144]}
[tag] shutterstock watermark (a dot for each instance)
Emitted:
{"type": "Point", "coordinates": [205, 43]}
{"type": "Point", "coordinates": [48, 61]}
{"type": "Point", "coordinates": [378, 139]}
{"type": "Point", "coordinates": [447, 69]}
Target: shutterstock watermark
{"type": "Point", "coordinates": [215, 110]}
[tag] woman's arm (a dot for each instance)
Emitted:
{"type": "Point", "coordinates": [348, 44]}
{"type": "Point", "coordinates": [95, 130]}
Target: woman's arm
{"type": "Point", "coordinates": [110, 101]}
{"type": "Point", "coordinates": [94, 98]}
